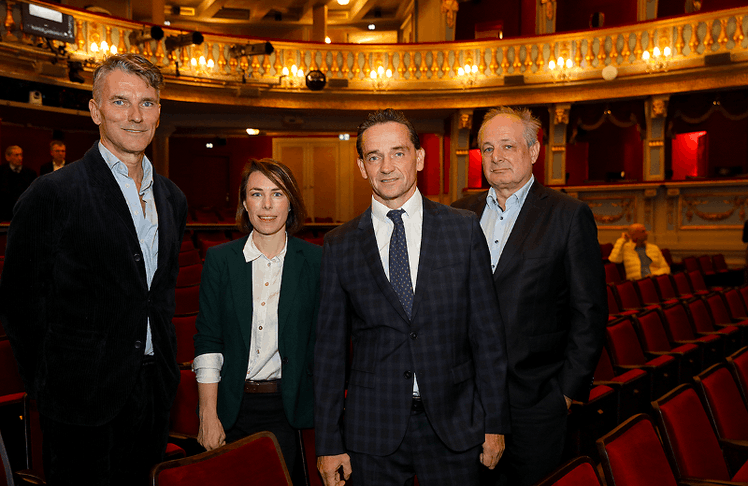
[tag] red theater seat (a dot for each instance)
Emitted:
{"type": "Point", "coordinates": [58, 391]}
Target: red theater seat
{"type": "Point", "coordinates": [256, 459]}
{"type": "Point", "coordinates": [185, 329]}
{"type": "Point", "coordinates": [580, 471]}
{"type": "Point", "coordinates": [189, 275]}
{"type": "Point", "coordinates": [738, 364]}
{"type": "Point", "coordinates": [187, 301]}
{"type": "Point", "coordinates": [654, 341]}
{"type": "Point", "coordinates": [680, 330]}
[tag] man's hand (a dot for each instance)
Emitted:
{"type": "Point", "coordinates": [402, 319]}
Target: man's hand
{"type": "Point", "coordinates": [328, 467]}
{"type": "Point", "coordinates": [211, 434]}
{"type": "Point", "coordinates": [625, 236]}
{"type": "Point", "coordinates": [493, 448]}
{"type": "Point", "coordinates": [568, 402]}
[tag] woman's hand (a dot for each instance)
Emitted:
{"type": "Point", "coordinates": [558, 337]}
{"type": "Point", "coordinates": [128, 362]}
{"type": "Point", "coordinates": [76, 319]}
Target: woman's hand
{"type": "Point", "coordinates": [211, 434]}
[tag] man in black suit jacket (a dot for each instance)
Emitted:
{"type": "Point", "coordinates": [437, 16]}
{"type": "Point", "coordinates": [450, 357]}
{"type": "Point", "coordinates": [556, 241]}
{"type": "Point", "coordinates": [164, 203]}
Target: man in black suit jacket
{"type": "Point", "coordinates": [87, 291]}
{"type": "Point", "coordinates": [550, 281]}
{"type": "Point", "coordinates": [427, 392]}
{"type": "Point", "coordinates": [57, 151]}
{"type": "Point", "coordinates": [14, 179]}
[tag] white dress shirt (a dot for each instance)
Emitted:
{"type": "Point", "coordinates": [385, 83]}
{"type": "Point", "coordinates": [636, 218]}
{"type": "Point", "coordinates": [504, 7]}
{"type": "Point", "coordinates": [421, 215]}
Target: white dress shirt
{"type": "Point", "coordinates": [264, 360]}
{"type": "Point", "coordinates": [413, 223]}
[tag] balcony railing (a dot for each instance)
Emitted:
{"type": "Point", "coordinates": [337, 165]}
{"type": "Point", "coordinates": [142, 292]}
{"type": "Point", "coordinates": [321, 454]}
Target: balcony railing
{"type": "Point", "coordinates": [672, 45]}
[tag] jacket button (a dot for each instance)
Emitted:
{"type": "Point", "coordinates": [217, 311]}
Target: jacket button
{"type": "Point", "coordinates": [137, 257]}
{"type": "Point", "coordinates": [408, 375]}
{"type": "Point", "coordinates": [138, 344]}
{"type": "Point", "coordinates": [413, 335]}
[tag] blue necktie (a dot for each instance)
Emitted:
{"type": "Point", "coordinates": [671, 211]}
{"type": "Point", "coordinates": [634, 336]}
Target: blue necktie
{"type": "Point", "coordinates": [399, 265]}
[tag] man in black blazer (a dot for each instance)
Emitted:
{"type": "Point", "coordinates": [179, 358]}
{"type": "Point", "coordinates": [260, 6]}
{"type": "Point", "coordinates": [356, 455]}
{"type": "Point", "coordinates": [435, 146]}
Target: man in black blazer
{"type": "Point", "coordinates": [57, 151]}
{"type": "Point", "coordinates": [426, 392]}
{"type": "Point", "coordinates": [550, 281]}
{"type": "Point", "coordinates": [87, 291]}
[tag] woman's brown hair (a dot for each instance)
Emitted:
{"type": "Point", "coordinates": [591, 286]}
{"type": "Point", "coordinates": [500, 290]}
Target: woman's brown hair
{"type": "Point", "coordinates": [283, 177]}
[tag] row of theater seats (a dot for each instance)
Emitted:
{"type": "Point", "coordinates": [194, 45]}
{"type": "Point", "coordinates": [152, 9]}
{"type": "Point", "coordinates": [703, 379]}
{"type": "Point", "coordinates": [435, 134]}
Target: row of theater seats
{"type": "Point", "coordinates": [700, 437]}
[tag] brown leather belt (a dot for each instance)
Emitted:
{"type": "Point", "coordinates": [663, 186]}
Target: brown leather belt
{"type": "Point", "coordinates": [268, 386]}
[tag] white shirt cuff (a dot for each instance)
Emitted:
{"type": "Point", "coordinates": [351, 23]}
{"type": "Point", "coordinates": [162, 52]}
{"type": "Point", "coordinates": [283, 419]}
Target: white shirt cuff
{"type": "Point", "coordinates": [207, 367]}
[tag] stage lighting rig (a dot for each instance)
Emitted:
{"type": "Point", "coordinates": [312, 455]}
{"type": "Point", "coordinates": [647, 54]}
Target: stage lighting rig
{"type": "Point", "coordinates": [252, 49]}
{"type": "Point", "coordinates": [146, 35]}
{"type": "Point", "coordinates": [176, 41]}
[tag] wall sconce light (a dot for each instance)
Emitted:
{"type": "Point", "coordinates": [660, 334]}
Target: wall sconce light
{"type": "Point", "coordinates": [292, 78]}
{"type": "Point", "coordinates": [468, 74]}
{"type": "Point", "coordinates": [380, 77]}
{"type": "Point", "coordinates": [253, 131]}
{"type": "Point", "coordinates": [102, 51]}
{"type": "Point", "coordinates": [658, 60]}
{"type": "Point", "coordinates": [561, 69]}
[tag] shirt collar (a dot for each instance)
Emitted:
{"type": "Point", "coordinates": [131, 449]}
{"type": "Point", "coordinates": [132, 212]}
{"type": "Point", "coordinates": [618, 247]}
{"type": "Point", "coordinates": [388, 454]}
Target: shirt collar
{"type": "Point", "coordinates": [15, 168]}
{"type": "Point", "coordinates": [518, 198]}
{"type": "Point", "coordinates": [251, 253]}
{"type": "Point", "coordinates": [412, 207]}
{"type": "Point", "coordinates": [116, 165]}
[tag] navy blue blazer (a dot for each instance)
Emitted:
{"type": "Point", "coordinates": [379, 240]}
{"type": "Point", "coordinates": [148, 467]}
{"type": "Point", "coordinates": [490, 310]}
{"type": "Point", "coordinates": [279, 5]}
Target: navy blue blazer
{"type": "Point", "coordinates": [551, 284]}
{"type": "Point", "coordinates": [454, 341]}
{"type": "Point", "coordinates": [74, 298]}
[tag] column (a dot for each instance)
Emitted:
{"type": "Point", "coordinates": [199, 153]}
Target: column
{"type": "Point", "coordinates": [555, 168]}
{"type": "Point", "coordinates": [546, 16]}
{"type": "Point", "coordinates": [160, 149]}
{"type": "Point", "coordinates": [157, 12]}
{"type": "Point", "coordinates": [654, 143]}
{"type": "Point", "coordinates": [462, 122]}
{"type": "Point", "coordinates": [319, 23]}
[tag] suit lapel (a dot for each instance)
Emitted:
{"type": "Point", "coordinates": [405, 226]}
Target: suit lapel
{"type": "Point", "coordinates": [370, 250]}
{"type": "Point", "coordinates": [103, 179]}
{"type": "Point", "coordinates": [531, 210]}
{"type": "Point", "coordinates": [240, 280]}
{"type": "Point", "coordinates": [292, 266]}
{"type": "Point", "coordinates": [429, 250]}
{"type": "Point", "coordinates": [166, 225]}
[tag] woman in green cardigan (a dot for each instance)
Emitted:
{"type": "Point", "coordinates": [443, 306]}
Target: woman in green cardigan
{"type": "Point", "coordinates": [259, 297]}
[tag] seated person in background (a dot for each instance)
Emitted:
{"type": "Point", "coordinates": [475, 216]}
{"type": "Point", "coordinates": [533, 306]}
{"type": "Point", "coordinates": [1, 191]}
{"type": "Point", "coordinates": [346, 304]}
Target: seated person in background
{"type": "Point", "coordinates": [640, 259]}
{"type": "Point", "coordinates": [14, 179]}
{"type": "Point", "coordinates": [57, 151]}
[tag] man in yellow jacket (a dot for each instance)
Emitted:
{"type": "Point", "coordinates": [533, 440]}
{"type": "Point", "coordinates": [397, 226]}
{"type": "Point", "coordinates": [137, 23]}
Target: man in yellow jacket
{"type": "Point", "coordinates": [640, 259]}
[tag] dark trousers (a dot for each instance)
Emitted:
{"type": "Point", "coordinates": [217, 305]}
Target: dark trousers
{"type": "Point", "coordinates": [535, 447]}
{"type": "Point", "coordinates": [121, 452]}
{"type": "Point", "coordinates": [264, 411]}
{"type": "Point", "coordinates": [421, 453]}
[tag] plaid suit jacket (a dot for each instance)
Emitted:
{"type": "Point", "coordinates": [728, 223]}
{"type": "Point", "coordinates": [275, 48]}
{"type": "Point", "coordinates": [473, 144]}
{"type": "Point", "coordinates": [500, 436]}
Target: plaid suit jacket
{"type": "Point", "coordinates": [454, 341]}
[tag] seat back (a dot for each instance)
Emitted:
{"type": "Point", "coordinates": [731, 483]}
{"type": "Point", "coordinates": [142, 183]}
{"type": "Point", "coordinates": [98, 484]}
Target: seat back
{"type": "Point", "coordinates": [738, 364]}
{"type": "Point", "coordinates": [665, 285]}
{"type": "Point", "coordinates": [611, 273]}
{"type": "Point", "coordinates": [677, 322]}
{"type": "Point", "coordinates": [719, 263]}
{"type": "Point", "coordinates": [717, 307]}
{"type": "Point", "coordinates": [580, 471]}
{"type": "Point", "coordinates": [10, 379]}
{"type": "Point", "coordinates": [691, 264]}
{"type": "Point", "coordinates": [185, 329]}
{"type": "Point", "coordinates": [682, 284]}
{"type": "Point", "coordinates": [697, 281]}
{"type": "Point", "coordinates": [667, 256]}
{"type": "Point", "coordinates": [623, 344]}
{"type": "Point", "coordinates": [613, 307]}
{"type": "Point", "coordinates": [257, 457]}
{"type": "Point", "coordinates": [700, 317]}
{"type": "Point", "coordinates": [652, 332]}
{"type": "Point", "coordinates": [189, 257]}
{"type": "Point", "coordinates": [632, 455]}
{"type": "Point", "coordinates": [705, 264]}
{"type": "Point", "coordinates": [688, 436]}
{"type": "Point", "coordinates": [724, 405]}
{"type": "Point", "coordinates": [627, 295]}
{"type": "Point", "coordinates": [744, 294]}
{"type": "Point", "coordinates": [183, 420]}
{"type": "Point", "coordinates": [189, 275]}
{"type": "Point", "coordinates": [604, 370]}
{"type": "Point", "coordinates": [187, 301]}
{"type": "Point", "coordinates": [648, 291]}
{"type": "Point", "coordinates": [735, 304]}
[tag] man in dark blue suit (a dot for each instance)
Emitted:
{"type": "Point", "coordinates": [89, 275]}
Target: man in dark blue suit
{"type": "Point", "coordinates": [408, 284]}
{"type": "Point", "coordinates": [87, 291]}
{"type": "Point", "coordinates": [550, 281]}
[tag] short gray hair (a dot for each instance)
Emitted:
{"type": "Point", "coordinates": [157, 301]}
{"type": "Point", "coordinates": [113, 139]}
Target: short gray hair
{"type": "Point", "coordinates": [128, 63]}
{"type": "Point", "coordinates": [531, 124]}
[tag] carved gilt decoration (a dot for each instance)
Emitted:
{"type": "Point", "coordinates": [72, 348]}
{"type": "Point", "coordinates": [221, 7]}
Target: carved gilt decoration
{"type": "Point", "coordinates": [737, 202]}
{"type": "Point", "coordinates": [627, 210]}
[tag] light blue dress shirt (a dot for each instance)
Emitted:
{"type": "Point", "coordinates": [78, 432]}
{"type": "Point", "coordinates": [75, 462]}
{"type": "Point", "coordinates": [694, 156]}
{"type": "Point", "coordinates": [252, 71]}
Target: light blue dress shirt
{"type": "Point", "coordinates": [146, 225]}
{"type": "Point", "coordinates": [497, 223]}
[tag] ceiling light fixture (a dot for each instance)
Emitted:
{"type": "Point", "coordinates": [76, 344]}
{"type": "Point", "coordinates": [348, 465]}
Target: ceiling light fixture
{"type": "Point", "coordinates": [343, 2]}
{"type": "Point", "coordinates": [372, 26]}
{"type": "Point", "coordinates": [253, 131]}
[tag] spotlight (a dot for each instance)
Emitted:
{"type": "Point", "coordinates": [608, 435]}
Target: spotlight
{"type": "Point", "coordinates": [372, 26]}
{"type": "Point", "coordinates": [252, 49]}
{"type": "Point", "coordinates": [139, 37]}
{"type": "Point", "coordinates": [184, 40]}
{"type": "Point", "coordinates": [253, 131]}
{"type": "Point", "coordinates": [74, 72]}
{"type": "Point", "coordinates": [316, 80]}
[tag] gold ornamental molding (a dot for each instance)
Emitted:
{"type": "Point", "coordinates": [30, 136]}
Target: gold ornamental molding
{"type": "Point", "coordinates": [736, 203]}
{"type": "Point", "coordinates": [508, 71]}
{"type": "Point", "coordinates": [626, 205]}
